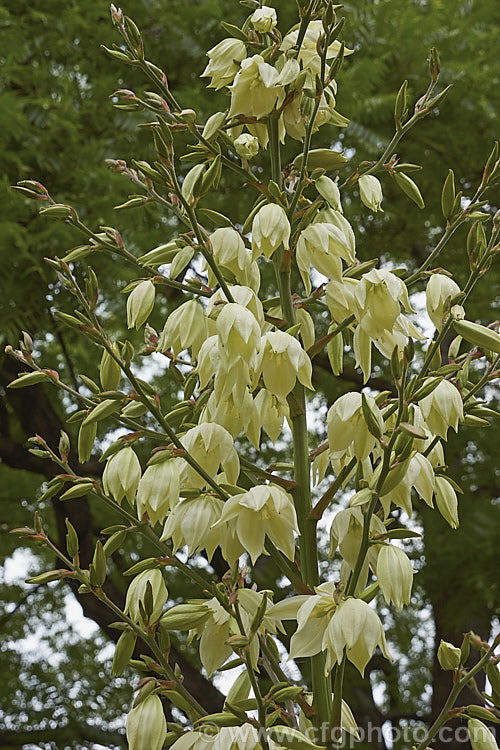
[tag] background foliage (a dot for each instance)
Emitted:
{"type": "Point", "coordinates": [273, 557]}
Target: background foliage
{"type": "Point", "coordinates": [57, 125]}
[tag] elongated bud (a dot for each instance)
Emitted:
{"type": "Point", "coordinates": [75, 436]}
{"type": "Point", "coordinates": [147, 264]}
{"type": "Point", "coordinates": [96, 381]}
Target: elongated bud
{"type": "Point", "coordinates": [491, 164]}
{"type": "Point", "coordinates": [47, 577]}
{"type": "Point", "coordinates": [449, 656]}
{"type": "Point", "coordinates": [409, 188]}
{"type": "Point", "coordinates": [479, 712]}
{"type": "Point", "coordinates": [123, 652]}
{"type": "Point", "coordinates": [335, 352]}
{"type": "Point", "coordinates": [97, 568]}
{"type": "Point", "coordinates": [72, 543]}
{"type": "Point", "coordinates": [31, 378]}
{"type": "Point", "coordinates": [140, 304]}
{"type": "Point", "coordinates": [478, 335]}
{"type": "Point", "coordinates": [86, 438]}
{"type": "Point", "coordinates": [259, 615]}
{"type": "Point", "coordinates": [185, 617]}
{"type": "Point", "coordinates": [434, 65]}
{"type": "Point", "coordinates": [371, 419]}
{"type": "Point", "coordinates": [78, 490]}
{"type": "Point", "coordinates": [400, 106]}
{"type": "Point", "coordinates": [480, 736]}
{"type": "Point", "coordinates": [110, 371]}
{"type": "Point", "coordinates": [448, 195]}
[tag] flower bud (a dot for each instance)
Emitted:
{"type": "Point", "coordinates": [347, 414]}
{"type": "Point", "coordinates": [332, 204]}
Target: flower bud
{"type": "Point", "coordinates": [146, 725]}
{"type": "Point", "coordinates": [246, 146]}
{"type": "Point", "coordinates": [223, 62]}
{"type": "Point", "coordinates": [270, 229]}
{"type": "Point", "coordinates": [137, 594]}
{"type": "Point", "coordinates": [440, 289]}
{"type": "Point", "coordinates": [478, 335]}
{"type": "Point", "coordinates": [370, 191]}
{"type": "Point", "coordinates": [110, 372]}
{"type": "Point", "coordinates": [480, 736]}
{"type": "Point", "coordinates": [122, 474]}
{"type": "Point", "coordinates": [140, 303]}
{"type": "Point", "coordinates": [328, 189]}
{"type": "Point", "coordinates": [264, 19]}
{"type": "Point", "coordinates": [449, 656]}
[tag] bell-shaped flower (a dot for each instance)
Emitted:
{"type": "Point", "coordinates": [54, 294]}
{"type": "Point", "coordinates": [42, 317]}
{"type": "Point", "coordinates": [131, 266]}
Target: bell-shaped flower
{"type": "Point", "coordinates": [238, 330]}
{"type": "Point", "coordinates": [235, 414]}
{"type": "Point", "coordinates": [224, 61]}
{"type": "Point", "coordinates": [244, 296]}
{"type": "Point", "coordinates": [255, 91]}
{"type": "Point", "coordinates": [270, 229]}
{"type": "Point", "coordinates": [394, 575]}
{"type": "Point", "coordinates": [370, 192]}
{"type": "Point", "coordinates": [263, 510]}
{"type": "Point", "coordinates": [213, 633]}
{"type": "Point", "coordinates": [212, 447]}
{"type": "Point", "coordinates": [308, 55]}
{"type": "Point", "coordinates": [270, 412]}
{"type": "Point", "coordinates": [190, 523]}
{"type": "Point", "coordinates": [439, 291]}
{"type": "Point", "coordinates": [313, 614]}
{"type": "Point", "coordinates": [230, 252]}
{"type": "Point", "coordinates": [346, 533]}
{"type": "Point", "coordinates": [158, 490]}
{"type": "Point", "coordinates": [146, 725]}
{"type": "Point", "coordinates": [379, 296]}
{"type": "Point", "coordinates": [292, 118]}
{"type": "Point", "coordinates": [283, 360]}
{"type": "Point", "coordinates": [186, 328]}
{"type": "Point", "coordinates": [140, 303]}
{"type": "Point", "coordinates": [322, 246]}
{"type": "Point", "coordinates": [137, 594]}
{"type": "Point", "coordinates": [329, 190]}
{"type": "Point", "coordinates": [264, 19]}
{"type": "Point", "coordinates": [122, 474]}
{"type": "Point", "coordinates": [356, 627]}
{"type": "Point", "coordinates": [443, 408]}
{"type": "Point", "coordinates": [347, 426]}
{"type": "Point", "coordinates": [446, 501]}
{"type": "Point", "coordinates": [340, 298]}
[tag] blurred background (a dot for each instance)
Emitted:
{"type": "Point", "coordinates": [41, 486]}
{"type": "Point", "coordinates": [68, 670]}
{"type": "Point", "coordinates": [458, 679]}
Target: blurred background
{"type": "Point", "coordinates": [58, 125]}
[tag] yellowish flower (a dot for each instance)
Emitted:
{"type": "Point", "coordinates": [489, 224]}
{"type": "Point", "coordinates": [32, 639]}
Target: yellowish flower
{"type": "Point", "coordinates": [224, 61]}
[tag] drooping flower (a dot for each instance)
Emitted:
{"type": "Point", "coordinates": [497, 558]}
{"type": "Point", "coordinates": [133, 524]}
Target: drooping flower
{"type": "Point", "coordinates": [370, 191]}
{"type": "Point", "coordinates": [308, 55]}
{"type": "Point", "coordinates": [186, 328]}
{"type": "Point", "coordinates": [322, 246]}
{"type": "Point", "coordinates": [191, 523]}
{"type": "Point", "coordinates": [224, 61]}
{"type": "Point", "coordinates": [255, 91]}
{"type": "Point", "coordinates": [140, 303]}
{"type": "Point", "coordinates": [395, 575]}
{"type": "Point", "coordinates": [283, 360]}
{"type": "Point", "coordinates": [146, 725]}
{"type": "Point", "coordinates": [270, 229]}
{"type": "Point", "coordinates": [347, 426]}
{"type": "Point", "coordinates": [158, 490]}
{"type": "Point", "coordinates": [122, 474]}
{"type": "Point", "coordinates": [264, 19]}
{"type": "Point", "coordinates": [439, 289]}
{"type": "Point", "coordinates": [265, 510]}
{"type": "Point", "coordinates": [442, 409]}
{"type": "Point", "coordinates": [212, 447]}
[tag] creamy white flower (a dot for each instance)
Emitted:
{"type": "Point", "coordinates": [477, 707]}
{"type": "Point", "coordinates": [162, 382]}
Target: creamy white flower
{"type": "Point", "coordinates": [347, 426]}
{"type": "Point", "coordinates": [224, 61]}
{"type": "Point", "coordinates": [238, 331]}
{"type": "Point", "coordinates": [255, 91]}
{"type": "Point", "coordinates": [158, 490]}
{"type": "Point", "coordinates": [439, 290]}
{"type": "Point", "coordinates": [264, 19]}
{"type": "Point", "coordinates": [263, 510]}
{"type": "Point", "coordinates": [136, 593]}
{"type": "Point", "coordinates": [186, 328]}
{"type": "Point", "coordinates": [140, 303]}
{"type": "Point", "coordinates": [446, 501]}
{"type": "Point", "coordinates": [443, 408]}
{"type": "Point", "coordinates": [212, 447]}
{"type": "Point", "coordinates": [370, 191]}
{"type": "Point", "coordinates": [122, 474]}
{"type": "Point", "coordinates": [146, 725]}
{"type": "Point", "coordinates": [283, 360]}
{"type": "Point", "coordinates": [246, 146]}
{"type": "Point", "coordinates": [394, 574]}
{"type": "Point", "coordinates": [322, 246]}
{"type": "Point", "coordinates": [190, 523]}
{"type": "Point", "coordinates": [308, 55]}
{"type": "Point", "coordinates": [270, 229]}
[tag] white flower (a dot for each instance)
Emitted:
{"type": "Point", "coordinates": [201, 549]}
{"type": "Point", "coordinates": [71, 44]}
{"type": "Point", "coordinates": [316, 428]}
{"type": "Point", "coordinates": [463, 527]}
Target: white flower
{"type": "Point", "coordinates": [283, 360]}
{"type": "Point", "coordinates": [238, 330]}
{"type": "Point", "coordinates": [158, 490]}
{"type": "Point", "coordinates": [395, 575]}
{"type": "Point", "coordinates": [439, 290]}
{"type": "Point", "coordinates": [446, 501]}
{"type": "Point", "coordinates": [270, 229]}
{"type": "Point", "coordinates": [347, 426]}
{"type": "Point", "coordinates": [190, 523]}
{"type": "Point", "coordinates": [224, 61]}
{"type": "Point", "coordinates": [186, 327]}
{"type": "Point", "coordinates": [308, 55]}
{"type": "Point", "coordinates": [211, 446]}
{"type": "Point", "coordinates": [443, 408]}
{"type": "Point", "coordinates": [322, 246]}
{"type": "Point", "coordinates": [122, 474]}
{"type": "Point", "coordinates": [140, 303]}
{"type": "Point", "coordinates": [136, 593]}
{"type": "Point", "coordinates": [264, 19]}
{"type": "Point", "coordinates": [255, 91]}
{"type": "Point", "coordinates": [263, 510]}
{"type": "Point", "coordinates": [146, 725]}
{"type": "Point", "coordinates": [370, 191]}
